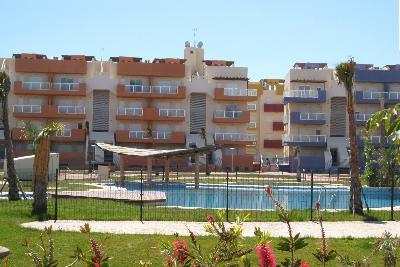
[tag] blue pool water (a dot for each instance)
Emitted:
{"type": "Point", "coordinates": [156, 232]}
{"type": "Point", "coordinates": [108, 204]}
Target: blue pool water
{"type": "Point", "coordinates": [253, 196]}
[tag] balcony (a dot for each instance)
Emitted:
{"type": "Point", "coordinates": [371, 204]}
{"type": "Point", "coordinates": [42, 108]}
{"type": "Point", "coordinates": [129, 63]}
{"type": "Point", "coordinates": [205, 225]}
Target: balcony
{"type": "Point", "coordinates": [223, 116]}
{"type": "Point", "coordinates": [142, 91]}
{"type": "Point", "coordinates": [374, 97]}
{"type": "Point", "coordinates": [252, 125]}
{"type": "Point", "coordinates": [151, 114]}
{"type": "Point", "coordinates": [362, 118]}
{"type": "Point", "coordinates": [65, 135]}
{"type": "Point", "coordinates": [45, 111]}
{"type": "Point", "coordinates": [304, 118]}
{"type": "Point", "coordinates": [235, 94]}
{"type": "Point", "coordinates": [234, 139]}
{"type": "Point", "coordinates": [273, 143]}
{"type": "Point", "coordinates": [126, 136]}
{"type": "Point", "coordinates": [151, 69]}
{"type": "Point", "coordinates": [50, 66]}
{"type": "Point", "coordinates": [304, 96]}
{"type": "Point", "coordinates": [304, 140]}
{"type": "Point", "coordinates": [375, 141]}
{"type": "Point", "coordinates": [47, 88]}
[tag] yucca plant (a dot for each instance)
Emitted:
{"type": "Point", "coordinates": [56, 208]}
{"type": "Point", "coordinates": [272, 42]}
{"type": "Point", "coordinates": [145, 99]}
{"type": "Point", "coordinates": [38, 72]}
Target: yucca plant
{"type": "Point", "coordinates": [345, 74]}
{"type": "Point", "coordinates": [41, 141]}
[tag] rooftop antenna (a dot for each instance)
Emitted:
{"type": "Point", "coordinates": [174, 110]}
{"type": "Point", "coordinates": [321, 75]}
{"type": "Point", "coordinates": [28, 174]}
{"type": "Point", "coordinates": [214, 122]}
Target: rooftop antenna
{"type": "Point", "coordinates": [194, 36]}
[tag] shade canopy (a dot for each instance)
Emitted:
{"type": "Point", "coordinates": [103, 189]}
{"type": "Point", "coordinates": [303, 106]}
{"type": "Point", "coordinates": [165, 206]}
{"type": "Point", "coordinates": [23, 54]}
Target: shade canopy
{"type": "Point", "coordinates": [143, 152]}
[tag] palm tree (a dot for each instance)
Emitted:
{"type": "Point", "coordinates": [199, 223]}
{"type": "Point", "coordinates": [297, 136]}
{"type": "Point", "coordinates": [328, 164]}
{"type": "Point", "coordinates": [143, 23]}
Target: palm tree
{"type": "Point", "coordinates": [296, 153]}
{"type": "Point", "coordinates": [203, 135]}
{"type": "Point", "coordinates": [41, 141]}
{"type": "Point", "coordinates": [5, 86]}
{"type": "Point", "coordinates": [345, 73]}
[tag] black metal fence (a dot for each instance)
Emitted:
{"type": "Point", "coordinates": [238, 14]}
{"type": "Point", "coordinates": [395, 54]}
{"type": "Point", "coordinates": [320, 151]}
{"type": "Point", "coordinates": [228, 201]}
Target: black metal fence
{"type": "Point", "coordinates": [88, 196]}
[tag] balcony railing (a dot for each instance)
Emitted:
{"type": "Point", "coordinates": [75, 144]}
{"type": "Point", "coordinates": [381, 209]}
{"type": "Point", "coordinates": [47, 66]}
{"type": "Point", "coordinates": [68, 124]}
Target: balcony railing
{"type": "Point", "coordinates": [312, 116]}
{"type": "Point", "coordinates": [172, 113]}
{"type": "Point", "coordinates": [240, 92]}
{"type": "Point", "coordinates": [252, 125]}
{"type": "Point", "coordinates": [363, 117]}
{"type": "Point", "coordinates": [235, 137]}
{"type": "Point", "coordinates": [50, 86]}
{"type": "Point", "coordinates": [71, 109]}
{"type": "Point", "coordinates": [151, 89]}
{"type": "Point", "coordinates": [301, 93]}
{"type": "Point", "coordinates": [154, 135]}
{"type": "Point", "coordinates": [305, 138]}
{"type": "Point", "coordinates": [27, 108]}
{"type": "Point", "coordinates": [64, 133]}
{"type": "Point", "coordinates": [378, 95]}
{"type": "Point", "coordinates": [224, 114]}
{"type": "Point", "coordinates": [130, 111]}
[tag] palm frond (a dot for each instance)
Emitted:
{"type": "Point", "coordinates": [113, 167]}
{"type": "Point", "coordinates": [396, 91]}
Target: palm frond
{"type": "Point", "coordinates": [34, 134]}
{"type": "Point", "coordinates": [345, 73]}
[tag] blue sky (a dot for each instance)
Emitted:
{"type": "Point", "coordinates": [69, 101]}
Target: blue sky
{"type": "Point", "coordinates": [266, 36]}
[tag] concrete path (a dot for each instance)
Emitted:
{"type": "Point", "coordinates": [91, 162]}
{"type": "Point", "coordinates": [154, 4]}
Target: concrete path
{"type": "Point", "coordinates": [276, 229]}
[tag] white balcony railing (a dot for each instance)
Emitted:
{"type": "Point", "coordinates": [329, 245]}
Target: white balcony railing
{"type": "Point", "coordinates": [304, 138]}
{"type": "Point", "coordinates": [394, 95]}
{"type": "Point", "coordinates": [130, 111]}
{"type": "Point", "coordinates": [155, 135]}
{"type": "Point", "coordinates": [71, 109]}
{"type": "Point", "coordinates": [224, 114]}
{"type": "Point", "coordinates": [373, 95]}
{"type": "Point", "coordinates": [302, 93]}
{"type": "Point", "coordinates": [36, 85]}
{"type": "Point", "coordinates": [27, 108]}
{"type": "Point", "coordinates": [312, 116]}
{"type": "Point", "coordinates": [172, 113]}
{"type": "Point", "coordinates": [252, 125]}
{"type": "Point", "coordinates": [50, 86]}
{"type": "Point", "coordinates": [240, 92]}
{"type": "Point", "coordinates": [64, 133]}
{"type": "Point", "coordinates": [235, 137]}
{"type": "Point", "coordinates": [151, 89]}
{"type": "Point", "coordinates": [363, 116]}
{"type": "Point", "coordinates": [65, 86]}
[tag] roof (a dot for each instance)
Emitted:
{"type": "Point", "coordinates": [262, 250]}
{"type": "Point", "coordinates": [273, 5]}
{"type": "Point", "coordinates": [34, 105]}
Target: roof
{"type": "Point", "coordinates": [130, 151]}
{"type": "Point", "coordinates": [364, 66]}
{"type": "Point", "coordinates": [29, 55]}
{"type": "Point", "coordinates": [231, 78]}
{"type": "Point", "coordinates": [377, 76]}
{"type": "Point", "coordinates": [310, 65]}
{"type": "Point", "coordinates": [126, 59]}
{"type": "Point", "coordinates": [87, 58]}
{"type": "Point", "coordinates": [214, 62]}
{"type": "Point", "coordinates": [169, 60]}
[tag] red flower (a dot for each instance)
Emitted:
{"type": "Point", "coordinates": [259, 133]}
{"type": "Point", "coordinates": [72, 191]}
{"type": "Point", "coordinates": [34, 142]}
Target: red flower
{"type": "Point", "coordinates": [210, 218]}
{"type": "Point", "coordinates": [304, 264]}
{"type": "Point", "coordinates": [180, 250]}
{"type": "Point", "coordinates": [217, 257]}
{"type": "Point", "coordinates": [268, 190]}
{"type": "Point", "coordinates": [97, 265]}
{"type": "Point", "coordinates": [266, 256]}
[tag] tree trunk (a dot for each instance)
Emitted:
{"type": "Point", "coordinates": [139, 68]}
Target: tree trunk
{"type": "Point", "coordinates": [355, 185]}
{"type": "Point", "coordinates": [298, 171]}
{"type": "Point", "coordinates": [40, 178]}
{"type": "Point", "coordinates": [207, 154]}
{"type": "Point", "coordinates": [13, 192]}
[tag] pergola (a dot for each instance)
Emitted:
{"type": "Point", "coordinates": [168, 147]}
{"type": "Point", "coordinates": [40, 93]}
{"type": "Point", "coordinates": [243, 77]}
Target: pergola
{"type": "Point", "coordinates": [150, 154]}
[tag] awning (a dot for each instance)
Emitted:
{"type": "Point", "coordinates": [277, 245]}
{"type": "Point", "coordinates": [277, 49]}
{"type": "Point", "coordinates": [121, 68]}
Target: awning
{"type": "Point", "coordinates": [142, 152]}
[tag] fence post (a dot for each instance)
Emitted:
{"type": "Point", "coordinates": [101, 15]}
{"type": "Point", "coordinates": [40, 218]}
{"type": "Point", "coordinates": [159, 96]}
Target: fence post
{"type": "Point", "coordinates": [236, 175]}
{"type": "Point", "coordinates": [56, 200]}
{"type": "Point", "coordinates": [392, 199]}
{"type": "Point", "coordinates": [141, 195]}
{"type": "Point", "coordinates": [312, 195]}
{"type": "Point", "coordinates": [227, 195]}
{"type": "Point", "coordinates": [177, 172]}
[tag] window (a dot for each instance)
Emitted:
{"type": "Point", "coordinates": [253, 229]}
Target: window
{"type": "Point", "coordinates": [135, 82]}
{"type": "Point", "coordinates": [304, 87]}
{"type": "Point", "coordinates": [232, 107]}
{"type": "Point", "coordinates": [66, 80]}
{"type": "Point", "coordinates": [251, 106]}
{"type": "Point", "coordinates": [271, 87]}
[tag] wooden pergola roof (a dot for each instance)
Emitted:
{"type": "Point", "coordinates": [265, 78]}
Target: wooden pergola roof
{"type": "Point", "coordinates": [156, 153]}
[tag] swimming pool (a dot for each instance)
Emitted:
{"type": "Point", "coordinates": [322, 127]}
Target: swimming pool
{"type": "Point", "coordinates": [253, 197]}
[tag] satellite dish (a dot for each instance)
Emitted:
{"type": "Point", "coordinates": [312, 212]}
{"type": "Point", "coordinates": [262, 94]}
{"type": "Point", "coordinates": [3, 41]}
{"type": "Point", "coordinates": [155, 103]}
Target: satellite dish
{"type": "Point", "coordinates": [187, 44]}
{"type": "Point", "coordinates": [200, 44]}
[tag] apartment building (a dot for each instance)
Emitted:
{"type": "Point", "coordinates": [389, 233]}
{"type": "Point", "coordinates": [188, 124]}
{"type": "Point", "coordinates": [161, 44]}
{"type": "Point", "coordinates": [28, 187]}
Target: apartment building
{"type": "Point", "coordinates": [375, 88]}
{"type": "Point", "coordinates": [268, 120]}
{"type": "Point", "coordinates": [315, 118]}
{"type": "Point", "coordinates": [162, 103]}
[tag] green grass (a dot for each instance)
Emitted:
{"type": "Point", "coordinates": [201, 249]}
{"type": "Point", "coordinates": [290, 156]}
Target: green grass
{"type": "Point", "coordinates": [127, 250]}
{"type": "Point", "coordinates": [94, 209]}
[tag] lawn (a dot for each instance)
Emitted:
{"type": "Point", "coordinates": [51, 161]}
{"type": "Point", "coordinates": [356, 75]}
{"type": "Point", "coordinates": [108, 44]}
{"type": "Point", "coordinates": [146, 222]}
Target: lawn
{"type": "Point", "coordinates": [127, 250]}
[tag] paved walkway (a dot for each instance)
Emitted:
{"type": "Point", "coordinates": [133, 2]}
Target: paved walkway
{"type": "Point", "coordinates": [276, 229]}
